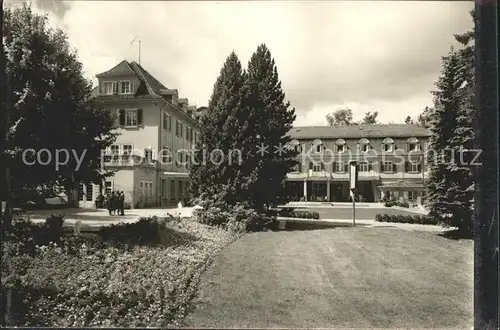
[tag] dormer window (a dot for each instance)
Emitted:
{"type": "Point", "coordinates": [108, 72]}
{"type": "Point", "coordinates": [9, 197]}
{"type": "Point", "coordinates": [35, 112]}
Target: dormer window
{"type": "Point", "coordinates": [108, 88]}
{"type": "Point", "coordinates": [388, 145]}
{"type": "Point", "coordinates": [413, 144]}
{"type": "Point", "coordinates": [340, 145]}
{"type": "Point", "coordinates": [317, 145]}
{"type": "Point", "coordinates": [125, 87]}
{"type": "Point", "coordinates": [295, 145]}
{"type": "Point", "coordinates": [364, 145]}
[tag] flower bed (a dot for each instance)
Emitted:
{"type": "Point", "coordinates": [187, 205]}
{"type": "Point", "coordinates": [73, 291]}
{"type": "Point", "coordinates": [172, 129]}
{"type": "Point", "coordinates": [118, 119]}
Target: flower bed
{"type": "Point", "coordinates": [415, 219]}
{"type": "Point", "coordinates": [132, 275]}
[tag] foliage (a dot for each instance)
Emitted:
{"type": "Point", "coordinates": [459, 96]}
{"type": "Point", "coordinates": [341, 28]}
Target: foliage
{"type": "Point", "coordinates": [49, 108]}
{"type": "Point", "coordinates": [450, 186]}
{"type": "Point", "coordinates": [391, 203]}
{"type": "Point", "coordinates": [246, 110]}
{"type": "Point", "coordinates": [369, 118]}
{"type": "Point", "coordinates": [408, 120]}
{"type": "Point", "coordinates": [340, 117]}
{"type": "Point", "coordinates": [298, 214]}
{"type": "Point", "coordinates": [413, 219]}
{"type": "Point", "coordinates": [222, 128]}
{"type": "Point", "coordinates": [271, 118]}
{"type": "Point", "coordinates": [83, 282]}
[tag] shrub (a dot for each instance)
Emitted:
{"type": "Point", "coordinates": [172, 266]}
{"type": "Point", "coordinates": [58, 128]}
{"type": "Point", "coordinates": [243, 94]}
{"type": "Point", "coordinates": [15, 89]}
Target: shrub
{"type": "Point", "coordinates": [415, 219]}
{"type": "Point", "coordinates": [315, 215]}
{"type": "Point", "coordinates": [286, 212]}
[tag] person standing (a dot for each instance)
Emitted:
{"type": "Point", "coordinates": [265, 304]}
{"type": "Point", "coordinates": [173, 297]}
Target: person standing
{"type": "Point", "coordinates": [108, 202]}
{"type": "Point", "coordinates": [122, 203]}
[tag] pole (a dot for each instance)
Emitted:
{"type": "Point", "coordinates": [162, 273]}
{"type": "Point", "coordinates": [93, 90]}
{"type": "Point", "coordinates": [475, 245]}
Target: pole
{"type": "Point", "coordinates": [353, 210]}
{"type": "Point", "coordinates": [139, 52]}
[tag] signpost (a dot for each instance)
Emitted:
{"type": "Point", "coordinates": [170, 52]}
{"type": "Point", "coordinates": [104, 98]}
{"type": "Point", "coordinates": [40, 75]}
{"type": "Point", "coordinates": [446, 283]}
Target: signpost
{"type": "Point", "coordinates": [353, 182]}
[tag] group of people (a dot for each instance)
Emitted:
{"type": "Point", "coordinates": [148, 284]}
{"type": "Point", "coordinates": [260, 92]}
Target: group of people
{"type": "Point", "coordinates": [115, 202]}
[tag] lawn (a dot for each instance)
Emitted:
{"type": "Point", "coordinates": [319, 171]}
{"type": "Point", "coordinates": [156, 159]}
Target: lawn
{"type": "Point", "coordinates": [341, 277]}
{"type": "Point", "coordinates": [92, 281]}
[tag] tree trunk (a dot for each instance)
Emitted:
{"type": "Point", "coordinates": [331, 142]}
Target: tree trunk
{"type": "Point", "coordinates": [486, 174]}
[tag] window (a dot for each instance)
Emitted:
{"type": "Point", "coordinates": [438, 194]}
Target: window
{"type": "Point", "coordinates": [141, 188]}
{"type": "Point", "coordinates": [413, 144]}
{"type": "Point", "coordinates": [412, 195]}
{"type": "Point", "coordinates": [81, 193]}
{"type": "Point", "coordinates": [317, 167]}
{"type": "Point", "coordinates": [108, 187]}
{"type": "Point", "coordinates": [196, 137]}
{"type": "Point", "coordinates": [166, 155]}
{"type": "Point", "coordinates": [413, 147]}
{"type": "Point", "coordinates": [317, 145]}
{"type": "Point", "coordinates": [388, 145]}
{"type": "Point", "coordinates": [127, 149]}
{"type": "Point", "coordinates": [167, 122]}
{"type": "Point", "coordinates": [178, 128]}
{"type": "Point", "coordinates": [131, 118]}
{"type": "Point", "coordinates": [108, 88]}
{"type": "Point", "coordinates": [189, 132]}
{"type": "Point", "coordinates": [115, 150]}
{"type": "Point", "coordinates": [341, 167]}
{"type": "Point", "coordinates": [364, 145]}
{"type": "Point", "coordinates": [150, 192]}
{"type": "Point", "coordinates": [172, 189]}
{"type": "Point", "coordinates": [364, 167]}
{"type": "Point", "coordinates": [413, 167]}
{"type": "Point", "coordinates": [188, 159]}
{"type": "Point", "coordinates": [297, 168]}
{"type": "Point", "coordinates": [125, 87]}
{"type": "Point", "coordinates": [148, 154]}
{"type": "Point", "coordinates": [388, 167]}
{"type": "Point", "coordinates": [89, 192]}
{"type": "Point", "coordinates": [340, 148]}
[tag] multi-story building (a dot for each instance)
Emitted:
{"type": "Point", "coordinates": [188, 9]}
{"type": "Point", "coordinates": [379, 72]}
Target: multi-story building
{"type": "Point", "coordinates": [390, 157]}
{"type": "Point", "coordinates": [156, 129]}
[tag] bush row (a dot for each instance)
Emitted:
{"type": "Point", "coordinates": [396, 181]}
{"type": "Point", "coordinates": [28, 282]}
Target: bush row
{"type": "Point", "coordinates": [418, 219]}
{"type": "Point", "coordinates": [298, 214]}
{"type": "Point", "coordinates": [396, 203]}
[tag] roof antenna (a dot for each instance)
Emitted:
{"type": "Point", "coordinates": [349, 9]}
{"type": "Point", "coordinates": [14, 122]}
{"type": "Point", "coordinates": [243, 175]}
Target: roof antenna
{"type": "Point", "coordinates": [134, 40]}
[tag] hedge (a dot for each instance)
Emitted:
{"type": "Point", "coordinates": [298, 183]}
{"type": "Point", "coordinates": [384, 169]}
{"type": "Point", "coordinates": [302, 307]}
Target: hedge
{"type": "Point", "coordinates": [415, 219]}
{"type": "Point", "coordinates": [396, 203]}
{"type": "Point", "coordinates": [291, 213]}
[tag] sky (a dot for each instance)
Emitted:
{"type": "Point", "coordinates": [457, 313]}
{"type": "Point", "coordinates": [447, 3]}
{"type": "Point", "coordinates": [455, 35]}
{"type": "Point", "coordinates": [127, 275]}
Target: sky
{"type": "Point", "coordinates": [366, 56]}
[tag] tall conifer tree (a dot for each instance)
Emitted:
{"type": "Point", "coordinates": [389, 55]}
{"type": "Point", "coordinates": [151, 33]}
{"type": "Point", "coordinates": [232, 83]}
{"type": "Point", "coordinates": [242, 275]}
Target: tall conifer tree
{"type": "Point", "coordinates": [271, 119]}
{"type": "Point", "coordinates": [215, 172]}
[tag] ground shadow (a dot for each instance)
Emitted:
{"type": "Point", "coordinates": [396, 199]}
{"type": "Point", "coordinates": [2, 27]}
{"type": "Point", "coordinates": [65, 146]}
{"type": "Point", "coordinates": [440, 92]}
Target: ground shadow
{"type": "Point", "coordinates": [312, 226]}
{"type": "Point", "coordinates": [456, 234]}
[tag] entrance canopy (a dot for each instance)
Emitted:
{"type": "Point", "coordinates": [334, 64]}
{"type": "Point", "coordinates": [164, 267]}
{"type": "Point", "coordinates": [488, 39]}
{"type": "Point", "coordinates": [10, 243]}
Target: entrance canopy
{"type": "Point", "coordinates": [177, 174]}
{"type": "Point", "coordinates": [401, 185]}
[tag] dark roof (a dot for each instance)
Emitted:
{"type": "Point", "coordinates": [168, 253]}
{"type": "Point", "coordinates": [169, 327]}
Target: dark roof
{"type": "Point", "coordinates": [359, 131]}
{"type": "Point", "coordinates": [122, 68]}
{"type": "Point", "coordinates": [149, 87]}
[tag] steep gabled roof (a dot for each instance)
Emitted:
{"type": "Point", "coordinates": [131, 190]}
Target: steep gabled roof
{"type": "Point", "coordinates": [359, 131]}
{"type": "Point", "coordinates": [153, 85]}
{"type": "Point", "coordinates": [122, 68]}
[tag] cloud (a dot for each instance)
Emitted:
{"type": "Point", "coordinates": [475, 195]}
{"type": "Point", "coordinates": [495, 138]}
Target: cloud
{"type": "Point", "coordinates": [374, 56]}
